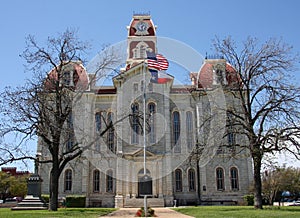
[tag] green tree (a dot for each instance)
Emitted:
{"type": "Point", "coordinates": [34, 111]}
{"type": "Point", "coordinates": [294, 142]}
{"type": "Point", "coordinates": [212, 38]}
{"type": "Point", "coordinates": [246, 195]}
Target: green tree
{"type": "Point", "coordinates": [12, 186]}
{"type": "Point", "coordinates": [4, 184]}
{"type": "Point", "coordinates": [18, 186]}
{"type": "Point", "coordinates": [280, 179]}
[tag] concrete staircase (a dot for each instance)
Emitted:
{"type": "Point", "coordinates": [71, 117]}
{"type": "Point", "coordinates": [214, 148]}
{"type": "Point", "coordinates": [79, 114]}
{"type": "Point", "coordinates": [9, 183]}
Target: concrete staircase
{"type": "Point", "coordinates": [139, 202]}
{"type": "Point", "coordinates": [30, 203]}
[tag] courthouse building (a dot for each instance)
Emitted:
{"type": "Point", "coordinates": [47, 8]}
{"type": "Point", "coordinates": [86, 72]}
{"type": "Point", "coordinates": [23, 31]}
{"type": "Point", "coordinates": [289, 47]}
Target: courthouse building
{"type": "Point", "coordinates": [192, 153]}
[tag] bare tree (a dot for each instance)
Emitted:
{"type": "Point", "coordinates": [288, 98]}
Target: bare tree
{"type": "Point", "coordinates": [43, 106]}
{"type": "Point", "coordinates": [269, 101]}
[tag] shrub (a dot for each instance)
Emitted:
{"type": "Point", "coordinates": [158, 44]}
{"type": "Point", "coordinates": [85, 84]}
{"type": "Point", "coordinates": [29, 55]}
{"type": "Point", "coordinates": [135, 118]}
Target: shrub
{"type": "Point", "coordinates": [75, 200]}
{"type": "Point", "coordinates": [249, 199]}
{"type": "Point", "coordinates": [45, 198]}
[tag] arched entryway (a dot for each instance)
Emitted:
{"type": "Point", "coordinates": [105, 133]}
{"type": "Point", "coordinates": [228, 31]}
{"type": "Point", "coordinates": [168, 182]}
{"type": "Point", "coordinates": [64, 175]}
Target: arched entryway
{"type": "Point", "coordinates": [144, 183]}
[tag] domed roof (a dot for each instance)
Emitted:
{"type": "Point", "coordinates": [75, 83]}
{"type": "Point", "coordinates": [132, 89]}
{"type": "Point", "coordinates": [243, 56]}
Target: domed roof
{"type": "Point", "coordinates": [73, 75]}
{"type": "Point", "coordinates": [217, 72]}
{"type": "Point", "coordinates": [141, 24]}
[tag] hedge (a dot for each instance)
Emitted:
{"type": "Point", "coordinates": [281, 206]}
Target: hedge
{"type": "Point", "coordinates": [75, 200]}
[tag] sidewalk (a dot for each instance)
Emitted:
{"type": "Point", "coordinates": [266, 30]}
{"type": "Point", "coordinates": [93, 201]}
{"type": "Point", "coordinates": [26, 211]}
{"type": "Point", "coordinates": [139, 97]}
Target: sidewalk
{"type": "Point", "coordinates": [161, 212]}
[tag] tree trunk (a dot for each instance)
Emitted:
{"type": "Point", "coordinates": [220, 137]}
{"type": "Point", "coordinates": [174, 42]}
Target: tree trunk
{"type": "Point", "coordinates": [257, 159]}
{"type": "Point", "coordinates": [53, 201]}
{"type": "Point", "coordinates": [54, 177]}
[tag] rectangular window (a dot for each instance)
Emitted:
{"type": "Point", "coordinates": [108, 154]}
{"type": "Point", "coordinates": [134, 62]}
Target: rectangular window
{"type": "Point", "coordinates": [189, 129]}
{"type": "Point", "coordinates": [191, 178]}
{"type": "Point", "coordinates": [230, 130]}
{"type": "Point", "coordinates": [135, 126]}
{"type": "Point", "coordinates": [111, 133]}
{"type": "Point", "coordinates": [178, 180]}
{"type": "Point", "coordinates": [176, 131]}
{"type": "Point", "coordinates": [98, 121]}
{"type": "Point", "coordinates": [109, 182]}
{"type": "Point", "coordinates": [150, 87]}
{"type": "Point", "coordinates": [220, 179]}
{"type": "Point", "coordinates": [96, 181]}
{"type": "Point", "coordinates": [234, 178]}
{"type": "Point", "coordinates": [142, 85]}
{"type": "Point", "coordinates": [151, 111]}
{"type": "Point", "coordinates": [135, 87]}
{"type": "Point", "coordinates": [97, 147]}
{"type": "Point", "coordinates": [68, 180]}
{"type": "Point", "coordinates": [70, 133]}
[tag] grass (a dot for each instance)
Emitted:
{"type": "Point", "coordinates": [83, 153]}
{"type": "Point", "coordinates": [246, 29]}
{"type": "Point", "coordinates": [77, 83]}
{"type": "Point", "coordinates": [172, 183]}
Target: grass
{"type": "Point", "coordinates": [198, 212]}
{"type": "Point", "coordinates": [68, 212]}
{"type": "Point", "coordinates": [239, 212]}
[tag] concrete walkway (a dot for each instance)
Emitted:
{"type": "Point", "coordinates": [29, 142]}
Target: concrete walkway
{"type": "Point", "coordinates": [161, 212]}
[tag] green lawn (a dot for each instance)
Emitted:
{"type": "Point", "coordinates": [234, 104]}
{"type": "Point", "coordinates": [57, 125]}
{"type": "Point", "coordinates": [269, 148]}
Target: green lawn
{"type": "Point", "coordinates": [199, 212]}
{"type": "Point", "coordinates": [240, 212]}
{"type": "Point", "coordinates": [68, 212]}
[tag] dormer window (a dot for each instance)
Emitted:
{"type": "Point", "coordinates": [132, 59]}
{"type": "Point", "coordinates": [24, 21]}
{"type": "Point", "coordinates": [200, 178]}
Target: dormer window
{"type": "Point", "coordinates": [219, 76]}
{"type": "Point", "coordinates": [68, 78]}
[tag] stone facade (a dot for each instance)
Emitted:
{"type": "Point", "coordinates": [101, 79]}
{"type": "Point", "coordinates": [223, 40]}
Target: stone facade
{"type": "Point", "coordinates": [111, 172]}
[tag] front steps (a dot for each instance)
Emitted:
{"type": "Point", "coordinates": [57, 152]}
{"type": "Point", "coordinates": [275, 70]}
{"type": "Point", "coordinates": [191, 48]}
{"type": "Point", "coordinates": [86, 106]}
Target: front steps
{"type": "Point", "coordinates": [139, 202]}
{"type": "Point", "coordinates": [30, 203]}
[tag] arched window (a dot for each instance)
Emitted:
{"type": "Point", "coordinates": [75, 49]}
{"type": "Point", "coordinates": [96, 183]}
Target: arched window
{"type": "Point", "coordinates": [135, 124]}
{"type": "Point", "coordinates": [234, 178]}
{"type": "Point", "coordinates": [189, 129]}
{"type": "Point", "coordinates": [111, 133]}
{"type": "Point", "coordinates": [191, 179]}
{"type": "Point", "coordinates": [175, 130]}
{"type": "Point", "coordinates": [178, 180]}
{"type": "Point", "coordinates": [68, 180]}
{"type": "Point", "coordinates": [96, 180]}
{"type": "Point", "coordinates": [152, 110]}
{"type": "Point", "coordinates": [220, 178]}
{"type": "Point", "coordinates": [98, 121]}
{"type": "Point", "coordinates": [140, 50]}
{"type": "Point", "coordinates": [109, 181]}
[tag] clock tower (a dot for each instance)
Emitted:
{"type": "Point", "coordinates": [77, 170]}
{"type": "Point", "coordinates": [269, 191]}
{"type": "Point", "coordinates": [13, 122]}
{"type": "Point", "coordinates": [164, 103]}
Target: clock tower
{"type": "Point", "coordinates": [141, 38]}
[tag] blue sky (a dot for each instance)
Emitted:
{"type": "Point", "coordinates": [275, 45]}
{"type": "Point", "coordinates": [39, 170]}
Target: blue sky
{"type": "Point", "coordinates": [194, 22]}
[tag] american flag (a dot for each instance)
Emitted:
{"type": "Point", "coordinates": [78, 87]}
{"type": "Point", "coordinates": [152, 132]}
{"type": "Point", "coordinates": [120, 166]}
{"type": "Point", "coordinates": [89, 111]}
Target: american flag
{"type": "Point", "coordinates": [157, 61]}
{"type": "Point", "coordinates": [162, 61]}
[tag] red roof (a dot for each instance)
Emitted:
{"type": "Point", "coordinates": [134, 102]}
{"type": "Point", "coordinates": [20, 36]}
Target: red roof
{"type": "Point", "coordinates": [13, 171]}
{"type": "Point", "coordinates": [80, 76]}
{"type": "Point", "coordinates": [206, 74]}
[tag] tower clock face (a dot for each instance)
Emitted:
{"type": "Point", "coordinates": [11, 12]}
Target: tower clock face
{"type": "Point", "coordinates": [142, 26]}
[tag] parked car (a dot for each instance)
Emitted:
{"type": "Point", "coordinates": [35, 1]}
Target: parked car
{"type": "Point", "coordinates": [294, 203]}
{"type": "Point", "coordinates": [10, 200]}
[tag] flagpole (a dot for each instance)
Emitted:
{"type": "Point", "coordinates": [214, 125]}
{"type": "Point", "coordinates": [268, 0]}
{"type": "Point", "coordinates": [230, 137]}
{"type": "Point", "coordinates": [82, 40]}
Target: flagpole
{"type": "Point", "coordinates": [144, 132]}
{"type": "Point", "coordinates": [144, 120]}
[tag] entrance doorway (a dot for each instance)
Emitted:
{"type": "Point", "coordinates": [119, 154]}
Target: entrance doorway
{"type": "Point", "coordinates": [144, 183]}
